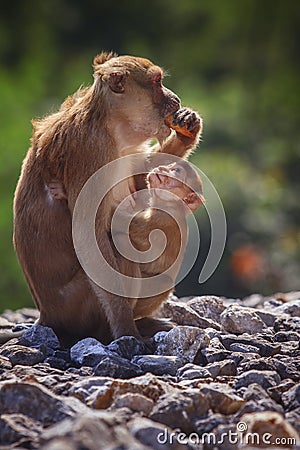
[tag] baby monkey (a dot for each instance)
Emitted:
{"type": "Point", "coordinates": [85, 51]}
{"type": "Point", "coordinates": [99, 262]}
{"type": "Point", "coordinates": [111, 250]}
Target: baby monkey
{"type": "Point", "coordinates": [173, 192]}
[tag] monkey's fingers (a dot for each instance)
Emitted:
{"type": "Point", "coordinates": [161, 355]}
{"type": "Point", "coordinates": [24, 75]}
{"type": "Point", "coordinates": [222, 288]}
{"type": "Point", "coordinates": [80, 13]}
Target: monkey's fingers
{"type": "Point", "coordinates": [188, 118]}
{"type": "Point", "coordinates": [185, 122]}
{"type": "Point", "coordinates": [172, 123]}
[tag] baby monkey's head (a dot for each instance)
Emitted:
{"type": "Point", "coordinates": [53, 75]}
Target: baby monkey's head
{"type": "Point", "coordinates": [179, 178]}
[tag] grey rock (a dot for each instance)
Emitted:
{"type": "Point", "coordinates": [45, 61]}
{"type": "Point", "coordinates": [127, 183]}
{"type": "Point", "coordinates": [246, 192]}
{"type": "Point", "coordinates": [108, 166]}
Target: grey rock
{"type": "Point", "coordinates": [272, 303]}
{"type": "Point", "coordinates": [293, 418]}
{"type": "Point", "coordinates": [291, 308]}
{"type": "Point", "coordinates": [268, 317]}
{"type": "Point", "coordinates": [88, 352]}
{"type": "Point", "coordinates": [238, 357]}
{"type": "Point", "coordinates": [213, 355]}
{"type": "Point", "coordinates": [208, 424]}
{"type": "Point", "coordinates": [265, 348]}
{"type": "Point", "coordinates": [291, 398]}
{"type": "Point", "coordinates": [136, 402]}
{"type": "Point", "coordinates": [183, 342]}
{"type": "Point", "coordinates": [221, 435]}
{"type": "Point", "coordinates": [215, 343]}
{"type": "Point", "coordinates": [192, 371]}
{"type": "Point", "coordinates": [255, 364]}
{"type": "Point", "coordinates": [290, 324]}
{"type": "Point", "coordinates": [85, 387]}
{"type": "Point", "coordinates": [221, 368]}
{"type": "Point", "coordinates": [117, 367]}
{"type": "Point", "coordinates": [264, 378]}
{"type": "Point", "coordinates": [206, 380]}
{"type": "Point", "coordinates": [16, 429]}
{"type": "Point", "coordinates": [58, 363]}
{"type": "Point", "coordinates": [287, 367]}
{"type": "Point", "coordinates": [258, 400]}
{"type": "Point", "coordinates": [34, 401]}
{"type": "Point", "coordinates": [212, 333]}
{"type": "Point", "coordinates": [276, 392]}
{"type": "Point", "coordinates": [38, 335]}
{"type": "Point", "coordinates": [179, 409]}
{"type": "Point", "coordinates": [238, 347]}
{"type": "Point", "coordinates": [5, 364]}
{"type": "Point", "coordinates": [254, 392]}
{"type": "Point", "coordinates": [237, 319]}
{"type": "Point", "coordinates": [183, 314]}
{"type": "Point", "coordinates": [127, 347]}
{"type": "Point", "coordinates": [260, 405]}
{"type": "Point", "coordinates": [286, 336]}
{"type": "Point", "coordinates": [222, 399]}
{"type": "Point", "coordinates": [154, 435]}
{"type": "Point", "coordinates": [208, 306]}
{"type": "Point", "coordinates": [19, 354]}
{"type": "Point", "coordinates": [60, 359]}
{"type": "Point", "coordinates": [158, 365]}
{"type": "Point", "coordinates": [101, 431]}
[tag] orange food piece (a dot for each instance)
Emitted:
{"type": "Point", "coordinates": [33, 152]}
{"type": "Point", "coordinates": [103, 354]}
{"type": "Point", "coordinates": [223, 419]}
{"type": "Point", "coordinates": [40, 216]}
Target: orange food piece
{"type": "Point", "coordinates": [181, 130]}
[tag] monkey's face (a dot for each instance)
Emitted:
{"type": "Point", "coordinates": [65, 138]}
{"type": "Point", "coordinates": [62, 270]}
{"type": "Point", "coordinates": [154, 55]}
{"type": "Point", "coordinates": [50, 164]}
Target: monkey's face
{"type": "Point", "coordinates": [170, 178]}
{"type": "Point", "coordinates": [174, 178]}
{"type": "Point", "coordinates": [137, 99]}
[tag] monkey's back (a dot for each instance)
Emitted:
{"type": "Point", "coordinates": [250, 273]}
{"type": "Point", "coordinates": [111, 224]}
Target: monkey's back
{"type": "Point", "coordinates": [44, 247]}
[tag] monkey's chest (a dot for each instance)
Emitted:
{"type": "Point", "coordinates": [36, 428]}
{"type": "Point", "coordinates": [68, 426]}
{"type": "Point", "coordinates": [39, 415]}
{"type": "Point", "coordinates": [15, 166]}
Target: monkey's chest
{"type": "Point", "coordinates": [167, 256]}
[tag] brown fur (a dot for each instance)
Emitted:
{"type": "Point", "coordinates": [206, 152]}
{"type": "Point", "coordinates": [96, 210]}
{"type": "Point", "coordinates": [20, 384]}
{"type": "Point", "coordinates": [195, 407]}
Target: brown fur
{"type": "Point", "coordinates": [186, 186]}
{"type": "Point", "coordinates": [113, 117]}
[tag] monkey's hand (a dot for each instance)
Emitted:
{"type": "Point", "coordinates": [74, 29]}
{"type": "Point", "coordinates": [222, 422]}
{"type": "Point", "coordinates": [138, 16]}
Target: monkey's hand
{"type": "Point", "coordinates": [57, 190]}
{"type": "Point", "coordinates": [185, 122]}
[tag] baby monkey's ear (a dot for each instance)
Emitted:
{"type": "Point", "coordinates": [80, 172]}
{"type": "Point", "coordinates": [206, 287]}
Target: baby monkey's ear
{"type": "Point", "coordinates": [194, 201]}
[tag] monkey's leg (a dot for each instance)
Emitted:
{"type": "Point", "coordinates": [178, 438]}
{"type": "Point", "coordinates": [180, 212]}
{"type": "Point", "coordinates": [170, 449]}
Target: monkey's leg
{"type": "Point", "coordinates": [118, 312]}
{"type": "Point", "coordinates": [146, 307]}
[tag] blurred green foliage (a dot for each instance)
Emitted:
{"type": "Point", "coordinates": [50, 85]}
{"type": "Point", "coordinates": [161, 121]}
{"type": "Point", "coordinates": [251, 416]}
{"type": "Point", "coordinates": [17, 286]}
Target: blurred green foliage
{"type": "Point", "coordinates": [237, 62]}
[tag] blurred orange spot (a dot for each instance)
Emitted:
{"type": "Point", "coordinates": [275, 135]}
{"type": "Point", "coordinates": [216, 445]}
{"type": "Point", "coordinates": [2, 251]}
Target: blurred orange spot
{"type": "Point", "coordinates": [248, 262]}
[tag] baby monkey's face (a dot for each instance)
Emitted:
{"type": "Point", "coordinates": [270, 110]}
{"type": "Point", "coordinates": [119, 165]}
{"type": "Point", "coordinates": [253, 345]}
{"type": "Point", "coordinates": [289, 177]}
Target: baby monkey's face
{"type": "Point", "coordinates": [179, 180]}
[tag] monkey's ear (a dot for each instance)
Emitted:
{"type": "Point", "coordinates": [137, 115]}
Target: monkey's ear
{"type": "Point", "coordinates": [103, 57]}
{"type": "Point", "coordinates": [117, 81]}
{"type": "Point", "coordinates": [194, 201]}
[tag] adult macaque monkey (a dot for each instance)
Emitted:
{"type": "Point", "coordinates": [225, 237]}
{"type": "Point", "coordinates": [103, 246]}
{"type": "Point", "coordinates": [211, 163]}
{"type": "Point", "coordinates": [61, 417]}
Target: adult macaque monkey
{"type": "Point", "coordinates": [126, 106]}
{"type": "Point", "coordinates": [175, 190]}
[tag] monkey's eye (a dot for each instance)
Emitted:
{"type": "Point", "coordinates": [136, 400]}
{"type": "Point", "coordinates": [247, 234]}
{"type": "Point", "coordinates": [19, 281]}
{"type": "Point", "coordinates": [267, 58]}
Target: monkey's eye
{"type": "Point", "coordinates": [157, 79]}
{"type": "Point", "coordinates": [176, 170]}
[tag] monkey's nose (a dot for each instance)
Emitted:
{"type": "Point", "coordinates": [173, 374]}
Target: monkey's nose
{"type": "Point", "coordinates": [172, 102]}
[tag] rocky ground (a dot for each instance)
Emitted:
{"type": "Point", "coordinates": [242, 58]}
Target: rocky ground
{"type": "Point", "coordinates": [227, 377]}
